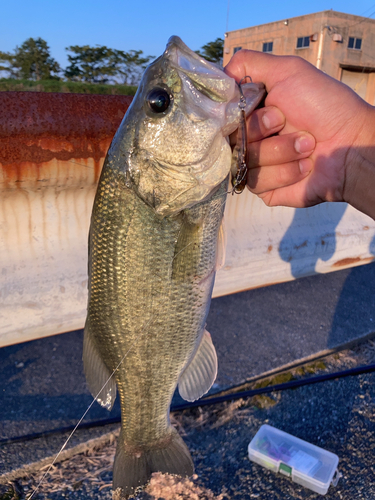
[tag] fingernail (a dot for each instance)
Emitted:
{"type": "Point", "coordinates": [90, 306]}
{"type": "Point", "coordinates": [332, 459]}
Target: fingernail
{"type": "Point", "coordinates": [273, 118]}
{"type": "Point", "coordinates": [304, 144]}
{"type": "Point", "coordinates": [305, 166]}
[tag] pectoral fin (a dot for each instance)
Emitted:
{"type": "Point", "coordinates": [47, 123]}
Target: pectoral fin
{"type": "Point", "coordinates": [199, 375]}
{"type": "Point", "coordinates": [97, 374]}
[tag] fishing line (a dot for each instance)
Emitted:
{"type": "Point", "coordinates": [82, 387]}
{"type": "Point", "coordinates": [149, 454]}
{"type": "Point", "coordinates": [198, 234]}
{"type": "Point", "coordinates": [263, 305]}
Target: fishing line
{"type": "Point", "coordinates": [182, 249]}
{"type": "Point", "coordinates": [83, 416]}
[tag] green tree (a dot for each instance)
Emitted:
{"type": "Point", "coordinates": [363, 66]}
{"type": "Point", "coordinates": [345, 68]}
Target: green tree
{"type": "Point", "coordinates": [130, 65]}
{"type": "Point", "coordinates": [31, 61]}
{"type": "Point", "coordinates": [213, 51]}
{"type": "Point", "coordinates": [101, 64]}
{"type": "Point", "coordinates": [91, 64]}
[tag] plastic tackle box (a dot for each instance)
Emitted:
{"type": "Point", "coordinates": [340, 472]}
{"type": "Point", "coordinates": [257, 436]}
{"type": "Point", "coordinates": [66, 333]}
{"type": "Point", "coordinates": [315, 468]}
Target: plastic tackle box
{"type": "Point", "coordinates": [305, 463]}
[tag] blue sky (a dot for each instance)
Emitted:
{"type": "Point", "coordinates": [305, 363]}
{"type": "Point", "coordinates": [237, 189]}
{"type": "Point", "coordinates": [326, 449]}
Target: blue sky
{"type": "Point", "coordinates": [146, 24]}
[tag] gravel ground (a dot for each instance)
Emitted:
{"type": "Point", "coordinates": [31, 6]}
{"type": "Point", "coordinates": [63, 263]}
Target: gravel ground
{"type": "Point", "coordinates": [337, 415]}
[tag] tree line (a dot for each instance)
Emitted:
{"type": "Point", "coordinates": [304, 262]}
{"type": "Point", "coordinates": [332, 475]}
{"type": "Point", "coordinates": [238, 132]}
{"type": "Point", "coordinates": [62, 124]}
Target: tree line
{"type": "Point", "coordinates": [99, 64]}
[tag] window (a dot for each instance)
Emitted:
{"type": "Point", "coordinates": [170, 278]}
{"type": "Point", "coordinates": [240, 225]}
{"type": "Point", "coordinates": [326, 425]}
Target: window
{"type": "Point", "coordinates": [268, 47]}
{"type": "Point", "coordinates": [303, 42]}
{"type": "Point", "coordinates": [354, 43]}
{"type": "Point", "coordinates": [236, 49]}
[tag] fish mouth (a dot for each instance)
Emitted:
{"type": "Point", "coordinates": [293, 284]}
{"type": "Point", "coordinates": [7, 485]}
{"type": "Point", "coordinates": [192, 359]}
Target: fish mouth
{"type": "Point", "coordinates": [190, 60]}
{"type": "Point", "coordinates": [206, 76]}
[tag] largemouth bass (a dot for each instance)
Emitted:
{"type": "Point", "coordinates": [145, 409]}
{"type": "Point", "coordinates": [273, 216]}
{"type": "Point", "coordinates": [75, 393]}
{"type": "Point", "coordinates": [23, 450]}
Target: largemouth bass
{"type": "Point", "coordinates": [153, 251]}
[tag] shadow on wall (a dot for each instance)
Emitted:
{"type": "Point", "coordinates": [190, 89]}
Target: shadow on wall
{"type": "Point", "coordinates": [310, 237]}
{"type": "Point", "coordinates": [355, 310]}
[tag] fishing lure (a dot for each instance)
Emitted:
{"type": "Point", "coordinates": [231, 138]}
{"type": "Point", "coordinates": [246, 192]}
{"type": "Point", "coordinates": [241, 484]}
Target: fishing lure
{"type": "Point", "coordinates": [239, 166]}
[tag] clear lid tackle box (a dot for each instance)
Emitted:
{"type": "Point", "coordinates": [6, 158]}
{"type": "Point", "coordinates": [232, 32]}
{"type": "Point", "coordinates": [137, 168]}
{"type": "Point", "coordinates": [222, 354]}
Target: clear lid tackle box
{"type": "Point", "coordinates": [304, 463]}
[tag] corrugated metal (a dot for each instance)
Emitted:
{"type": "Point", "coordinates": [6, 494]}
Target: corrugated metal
{"type": "Point", "coordinates": [52, 147]}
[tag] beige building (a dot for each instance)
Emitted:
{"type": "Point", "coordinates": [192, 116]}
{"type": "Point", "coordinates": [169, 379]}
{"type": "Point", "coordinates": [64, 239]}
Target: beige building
{"type": "Point", "coordinates": [341, 45]}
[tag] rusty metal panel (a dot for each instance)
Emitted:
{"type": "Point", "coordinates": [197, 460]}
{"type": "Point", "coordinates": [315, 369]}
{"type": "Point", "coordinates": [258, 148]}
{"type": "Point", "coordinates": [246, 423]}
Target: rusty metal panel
{"type": "Point", "coordinates": [52, 148]}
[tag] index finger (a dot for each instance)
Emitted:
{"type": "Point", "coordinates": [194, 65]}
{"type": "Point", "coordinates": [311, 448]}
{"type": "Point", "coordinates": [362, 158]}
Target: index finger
{"type": "Point", "coordinates": [266, 68]}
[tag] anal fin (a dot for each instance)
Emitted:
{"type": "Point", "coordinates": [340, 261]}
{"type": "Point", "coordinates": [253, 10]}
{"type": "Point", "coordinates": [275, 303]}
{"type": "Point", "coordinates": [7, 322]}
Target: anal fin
{"type": "Point", "coordinates": [98, 377]}
{"type": "Point", "coordinates": [199, 375]}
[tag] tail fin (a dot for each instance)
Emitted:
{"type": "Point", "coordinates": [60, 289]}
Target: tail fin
{"type": "Point", "coordinates": [133, 467]}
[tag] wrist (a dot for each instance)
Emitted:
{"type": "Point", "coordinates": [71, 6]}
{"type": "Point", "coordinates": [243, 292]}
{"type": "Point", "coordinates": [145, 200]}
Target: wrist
{"type": "Point", "coordinates": [359, 189]}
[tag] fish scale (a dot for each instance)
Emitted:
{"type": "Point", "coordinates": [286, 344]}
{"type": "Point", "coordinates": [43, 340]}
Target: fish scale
{"type": "Point", "coordinates": [122, 291]}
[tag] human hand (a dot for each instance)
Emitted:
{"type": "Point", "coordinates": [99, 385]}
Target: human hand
{"type": "Point", "coordinates": [323, 133]}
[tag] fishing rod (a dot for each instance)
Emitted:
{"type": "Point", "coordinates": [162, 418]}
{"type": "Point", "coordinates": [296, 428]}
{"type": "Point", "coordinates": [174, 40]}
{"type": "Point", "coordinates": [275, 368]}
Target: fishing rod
{"type": "Point", "coordinates": [210, 400]}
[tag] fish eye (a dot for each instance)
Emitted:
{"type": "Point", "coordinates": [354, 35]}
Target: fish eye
{"type": "Point", "coordinates": [158, 100]}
